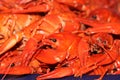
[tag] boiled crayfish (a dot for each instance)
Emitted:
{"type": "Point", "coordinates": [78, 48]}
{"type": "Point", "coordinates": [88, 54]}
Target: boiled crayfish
{"type": "Point", "coordinates": [58, 38]}
{"type": "Point", "coordinates": [83, 59]}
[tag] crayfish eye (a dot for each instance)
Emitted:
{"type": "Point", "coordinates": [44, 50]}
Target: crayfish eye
{"type": "Point", "coordinates": [13, 64]}
{"type": "Point", "coordinates": [53, 39]}
{"type": "Point", "coordinates": [105, 42]}
{"type": "Point", "coordinates": [94, 17]}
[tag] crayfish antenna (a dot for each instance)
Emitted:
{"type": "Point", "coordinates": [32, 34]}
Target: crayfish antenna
{"type": "Point", "coordinates": [58, 73]}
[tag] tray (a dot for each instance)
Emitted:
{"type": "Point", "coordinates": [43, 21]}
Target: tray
{"type": "Point", "coordinates": [85, 77]}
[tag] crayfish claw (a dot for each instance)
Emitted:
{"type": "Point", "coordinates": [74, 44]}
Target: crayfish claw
{"type": "Point", "coordinates": [58, 73]}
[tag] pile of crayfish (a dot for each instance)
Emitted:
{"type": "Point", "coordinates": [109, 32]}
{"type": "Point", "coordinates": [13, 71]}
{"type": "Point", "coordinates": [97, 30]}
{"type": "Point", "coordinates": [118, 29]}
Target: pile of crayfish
{"type": "Point", "coordinates": [58, 38]}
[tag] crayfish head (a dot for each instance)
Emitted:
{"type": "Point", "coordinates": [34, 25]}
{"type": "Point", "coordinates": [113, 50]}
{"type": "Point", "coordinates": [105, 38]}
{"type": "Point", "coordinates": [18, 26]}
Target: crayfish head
{"type": "Point", "coordinates": [103, 39]}
{"type": "Point", "coordinates": [54, 48]}
{"type": "Point", "coordinates": [58, 41]}
{"type": "Point", "coordinates": [99, 42]}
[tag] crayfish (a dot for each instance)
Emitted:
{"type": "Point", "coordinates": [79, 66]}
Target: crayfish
{"type": "Point", "coordinates": [58, 38]}
{"type": "Point", "coordinates": [83, 59]}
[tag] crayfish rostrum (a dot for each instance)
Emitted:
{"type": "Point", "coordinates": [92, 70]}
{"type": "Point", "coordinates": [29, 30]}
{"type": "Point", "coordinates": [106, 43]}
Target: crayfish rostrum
{"type": "Point", "coordinates": [58, 38]}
